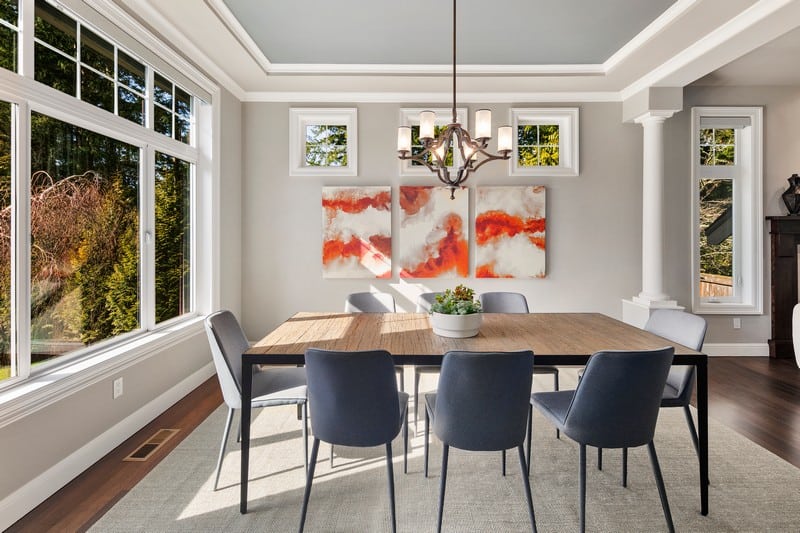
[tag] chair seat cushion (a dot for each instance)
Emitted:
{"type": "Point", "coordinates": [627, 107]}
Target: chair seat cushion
{"type": "Point", "coordinates": [279, 386]}
{"type": "Point", "coordinates": [545, 369]}
{"type": "Point", "coordinates": [553, 405]}
{"type": "Point", "coordinates": [671, 397]}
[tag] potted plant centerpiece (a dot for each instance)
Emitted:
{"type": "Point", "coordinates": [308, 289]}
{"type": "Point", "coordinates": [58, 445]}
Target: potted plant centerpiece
{"type": "Point", "coordinates": [456, 313]}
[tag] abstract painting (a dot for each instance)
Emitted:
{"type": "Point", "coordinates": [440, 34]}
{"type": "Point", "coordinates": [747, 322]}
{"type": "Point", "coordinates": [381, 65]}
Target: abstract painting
{"type": "Point", "coordinates": [434, 232]}
{"type": "Point", "coordinates": [510, 232]}
{"type": "Point", "coordinates": [356, 232]}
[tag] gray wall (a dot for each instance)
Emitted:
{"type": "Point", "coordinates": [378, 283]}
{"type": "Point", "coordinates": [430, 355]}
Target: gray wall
{"type": "Point", "coordinates": [593, 221]}
{"type": "Point", "coordinates": [781, 159]}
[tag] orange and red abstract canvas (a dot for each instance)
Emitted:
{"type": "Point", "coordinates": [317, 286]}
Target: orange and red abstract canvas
{"type": "Point", "coordinates": [510, 232]}
{"type": "Point", "coordinates": [434, 232]}
{"type": "Point", "coordinates": [357, 232]}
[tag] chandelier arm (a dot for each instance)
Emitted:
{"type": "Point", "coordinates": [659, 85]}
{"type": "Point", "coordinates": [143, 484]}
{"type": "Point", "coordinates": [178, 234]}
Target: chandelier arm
{"type": "Point", "coordinates": [419, 159]}
{"type": "Point", "coordinates": [488, 157]}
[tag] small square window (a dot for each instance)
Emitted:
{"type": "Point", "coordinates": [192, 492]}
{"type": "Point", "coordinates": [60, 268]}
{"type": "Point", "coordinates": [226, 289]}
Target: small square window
{"type": "Point", "coordinates": [323, 141]}
{"type": "Point", "coordinates": [546, 142]}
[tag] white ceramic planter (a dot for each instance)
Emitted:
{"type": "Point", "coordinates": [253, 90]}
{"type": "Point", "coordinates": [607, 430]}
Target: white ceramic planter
{"type": "Point", "coordinates": [456, 326]}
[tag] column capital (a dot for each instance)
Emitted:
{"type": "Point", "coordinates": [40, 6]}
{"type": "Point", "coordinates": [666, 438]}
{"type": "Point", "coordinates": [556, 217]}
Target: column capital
{"type": "Point", "coordinates": [653, 101]}
{"type": "Point", "coordinates": [654, 116]}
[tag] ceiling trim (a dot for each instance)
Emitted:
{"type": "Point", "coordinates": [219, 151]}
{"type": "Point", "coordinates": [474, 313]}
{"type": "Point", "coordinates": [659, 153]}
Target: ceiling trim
{"type": "Point", "coordinates": [113, 12]}
{"type": "Point", "coordinates": [673, 13]}
{"type": "Point", "coordinates": [464, 70]}
{"type": "Point", "coordinates": [735, 28]}
{"type": "Point", "coordinates": [226, 17]}
{"type": "Point", "coordinates": [430, 98]}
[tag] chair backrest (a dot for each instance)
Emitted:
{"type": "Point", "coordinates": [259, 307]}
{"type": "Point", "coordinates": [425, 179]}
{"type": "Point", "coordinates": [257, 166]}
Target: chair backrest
{"type": "Point", "coordinates": [503, 302]}
{"type": "Point", "coordinates": [369, 302]}
{"type": "Point", "coordinates": [616, 402]}
{"type": "Point", "coordinates": [352, 396]}
{"type": "Point", "coordinates": [425, 300]}
{"type": "Point", "coordinates": [686, 329]}
{"type": "Point", "coordinates": [482, 400]}
{"type": "Point", "coordinates": [228, 342]}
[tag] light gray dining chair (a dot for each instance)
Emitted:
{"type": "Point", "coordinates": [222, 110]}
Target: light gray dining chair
{"type": "Point", "coordinates": [690, 331]}
{"type": "Point", "coordinates": [278, 386]}
{"type": "Point", "coordinates": [481, 405]}
{"type": "Point", "coordinates": [355, 402]}
{"type": "Point", "coordinates": [515, 302]}
{"type": "Point", "coordinates": [424, 302]}
{"type": "Point", "coordinates": [615, 405]}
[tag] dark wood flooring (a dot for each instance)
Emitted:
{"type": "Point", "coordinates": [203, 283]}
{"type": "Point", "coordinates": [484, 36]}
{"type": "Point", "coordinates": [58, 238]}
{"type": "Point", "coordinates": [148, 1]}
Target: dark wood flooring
{"type": "Point", "coordinates": [756, 396]}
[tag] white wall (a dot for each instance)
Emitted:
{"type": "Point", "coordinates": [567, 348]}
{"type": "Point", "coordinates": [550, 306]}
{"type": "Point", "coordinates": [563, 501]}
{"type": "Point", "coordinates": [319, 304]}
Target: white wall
{"type": "Point", "coordinates": [593, 221]}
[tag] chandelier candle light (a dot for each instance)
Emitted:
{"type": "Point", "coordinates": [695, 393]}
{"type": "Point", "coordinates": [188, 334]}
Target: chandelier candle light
{"type": "Point", "coordinates": [454, 136]}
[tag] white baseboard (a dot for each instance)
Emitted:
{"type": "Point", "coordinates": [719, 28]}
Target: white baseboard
{"type": "Point", "coordinates": [754, 349]}
{"type": "Point", "coordinates": [23, 500]}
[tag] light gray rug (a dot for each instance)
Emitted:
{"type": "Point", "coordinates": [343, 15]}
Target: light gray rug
{"type": "Point", "coordinates": [751, 489]}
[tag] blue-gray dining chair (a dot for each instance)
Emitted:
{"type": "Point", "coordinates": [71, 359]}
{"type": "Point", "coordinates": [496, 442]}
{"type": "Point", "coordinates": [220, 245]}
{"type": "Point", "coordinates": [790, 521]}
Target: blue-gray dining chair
{"type": "Point", "coordinates": [615, 405]}
{"type": "Point", "coordinates": [354, 401]}
{"type": "Point", "coordinates": [276, 386]}
{"type": "Point", "coordinates": [481, 405]}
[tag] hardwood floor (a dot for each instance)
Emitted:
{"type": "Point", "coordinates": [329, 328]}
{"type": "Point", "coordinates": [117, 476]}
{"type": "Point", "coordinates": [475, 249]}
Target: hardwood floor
{"type": "Point", "coordinates": [756, 396]}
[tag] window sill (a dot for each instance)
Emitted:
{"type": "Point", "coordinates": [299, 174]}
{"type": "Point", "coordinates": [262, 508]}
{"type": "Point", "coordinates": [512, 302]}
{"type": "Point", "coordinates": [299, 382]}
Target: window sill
{"type": "Point", "coordinates": [27, 397]}
{"type": "Point", "coordinates": [726, 308]}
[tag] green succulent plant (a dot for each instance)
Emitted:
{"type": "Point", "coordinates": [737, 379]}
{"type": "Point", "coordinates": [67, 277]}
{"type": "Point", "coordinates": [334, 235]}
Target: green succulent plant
{"type": "Point", "coordinates": [458, 301]}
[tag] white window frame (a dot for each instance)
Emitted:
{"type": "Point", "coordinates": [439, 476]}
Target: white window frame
{"type": "Point", "coordinates": [32, 389]}
{"type": "Point", "coordinates": [302, 117]}
{"type": "Point", "coordinates": [409, 116]}
{"type": "Point", "coordinates": [747, 176]}
{"type": "Point", "coordinates": [567, 120]}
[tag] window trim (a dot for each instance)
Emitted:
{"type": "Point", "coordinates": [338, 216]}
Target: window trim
{"type": "Point", "coordinates": [300, 118]}
{"type": "Point", "coordinates": [409, 116]}
{"type": "Point", "coordinates": [748, 249]}
{"type": "Point", "coordinates": [567, 120]}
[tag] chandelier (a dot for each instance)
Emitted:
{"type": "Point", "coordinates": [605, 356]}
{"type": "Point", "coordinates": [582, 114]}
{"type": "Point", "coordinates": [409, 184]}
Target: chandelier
{"type": "Point", "coordinates": [471, 152]}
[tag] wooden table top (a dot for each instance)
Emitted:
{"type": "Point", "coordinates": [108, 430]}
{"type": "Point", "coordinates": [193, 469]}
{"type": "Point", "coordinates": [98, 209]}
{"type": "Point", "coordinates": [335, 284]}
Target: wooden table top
{"type": "Point", "coordinates": [566, 338]}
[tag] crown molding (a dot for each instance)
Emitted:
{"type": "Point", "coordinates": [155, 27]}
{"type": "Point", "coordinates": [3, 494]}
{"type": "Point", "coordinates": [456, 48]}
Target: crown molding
{"type": "Point", "coordinates": [673, 13]}
{"type": "Point", "coordinates": [429, 98]}
{"type": "Point", "coordinates": [735, 28]}
{"type": "Point", "coordinates": [114, 12]}
{"type": "Point", "coordinates": [437, 70]}
{"type": "Point", "coordinates": [226, 17]}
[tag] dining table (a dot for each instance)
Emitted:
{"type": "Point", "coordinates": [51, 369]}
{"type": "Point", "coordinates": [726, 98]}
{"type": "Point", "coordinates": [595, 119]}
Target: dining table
{"type": "Point", "coordinates": [556, 339]}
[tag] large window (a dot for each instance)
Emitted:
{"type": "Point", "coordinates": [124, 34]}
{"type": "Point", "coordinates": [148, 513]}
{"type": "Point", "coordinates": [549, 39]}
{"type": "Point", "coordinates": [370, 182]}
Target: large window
{"type": "Point", "coordinates": [97, 238]}
{"type": "Point", "coordinates": [727, 209]}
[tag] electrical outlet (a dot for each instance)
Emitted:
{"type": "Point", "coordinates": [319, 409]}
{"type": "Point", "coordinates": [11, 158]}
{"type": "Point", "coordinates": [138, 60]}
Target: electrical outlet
{"type": "Point", "coordinates": [737, 323]}
{"type": "Point", "coordinates": [117, 388]}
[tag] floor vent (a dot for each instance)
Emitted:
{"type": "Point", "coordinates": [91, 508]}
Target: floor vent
{"type": "Point", "coordinates": [143, 452]}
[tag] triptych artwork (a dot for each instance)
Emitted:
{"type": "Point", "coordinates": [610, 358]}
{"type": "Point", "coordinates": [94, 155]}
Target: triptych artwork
{"type": "Point", "coordinates": [434, 232]}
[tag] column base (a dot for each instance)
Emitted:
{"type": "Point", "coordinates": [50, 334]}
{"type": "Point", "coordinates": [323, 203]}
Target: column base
{"type": "Point", "coordinates": [637, 311]}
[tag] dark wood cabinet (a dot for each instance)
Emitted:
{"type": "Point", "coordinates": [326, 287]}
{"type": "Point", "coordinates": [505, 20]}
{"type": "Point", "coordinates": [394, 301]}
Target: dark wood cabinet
{"type": "Point", "coordinates": [784, 234]}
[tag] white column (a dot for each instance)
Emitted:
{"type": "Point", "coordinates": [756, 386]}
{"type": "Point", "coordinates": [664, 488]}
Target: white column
{"type": "Point", "coordinates": [652, 296]}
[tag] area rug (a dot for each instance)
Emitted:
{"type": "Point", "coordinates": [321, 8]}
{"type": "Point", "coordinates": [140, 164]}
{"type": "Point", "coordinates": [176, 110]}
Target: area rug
{"type": "Point", "coordinates": [751, 489]}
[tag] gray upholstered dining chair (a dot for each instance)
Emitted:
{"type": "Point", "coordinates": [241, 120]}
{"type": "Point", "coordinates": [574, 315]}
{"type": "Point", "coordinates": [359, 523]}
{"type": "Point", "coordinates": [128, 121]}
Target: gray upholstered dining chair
{"type": "Point", "coordinates": [354, 401]}
{"type": "Point", "coordinates": [690, 331]}
{"type": "Point", "coordinates": [615, 405]}
{"type": "Point", "coordinates": [424, 302]}
{"type": "Point", "coordinates": [369, 302]}
{"type": "Point", "coordinates": [515, 302]}
{"type": "Point", "coordinates": [481, 405]}
{"type": "Point", "coordinates": [278, 386]}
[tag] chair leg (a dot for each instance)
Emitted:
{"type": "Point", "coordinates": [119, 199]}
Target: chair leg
{"type": "Point", "coordinates": [527, 484]}
{"type": "Point", "coordinates": [530, 437]}
{"type": "Point", "coordinates": [599, 458]}
{"type": "Point", "coordinates": [390, 472]}
{"type": "Point", "coordinates": [442, 485]}
{"type": "Point", "coordinates": [304, 415]}
{"type": "Point", "coordinates": [405, 440]}
{"type": "Point", "coordinates": [624, 467]}
{"type": "Point", "coordinates": [401, 377]}
{"type": "Point", "coordinates": [427, 430]}
{"type": "Point", "coordinates": [239, 432]}
{"type": "Point", "coordinates": [331, 456]}
{"type": "Point", "coordinates": [662, 491]}
{"type": "Point", "coordinates": [225, 433]}
{"type": "Point", "coordinates": [555, 387]}
{"type": "Point", "coordinates": [582, 489]}
{"type": "Point", "coordinates": [416, 398]}
{"type": "Point", "coordinates": [503, 453]}
{"type": "Point", "coordinates": [309, 480]}
{"type": "Point", "coordinates": [692, 431]}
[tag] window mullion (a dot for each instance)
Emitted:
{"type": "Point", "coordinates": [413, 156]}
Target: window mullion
{"type": "Point", "coordinates": [148, 239]}
{"type": "Point", "coordinates": [26, 17]}
{"type": "Point", "coordinates": [21, 253]}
